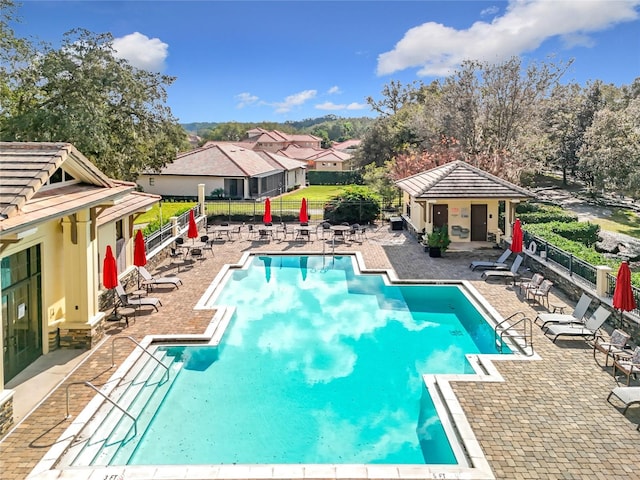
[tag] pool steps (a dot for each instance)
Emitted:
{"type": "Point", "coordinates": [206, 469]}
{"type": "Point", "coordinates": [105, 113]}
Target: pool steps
{"type": "Point", "coordinates": [112, 436]}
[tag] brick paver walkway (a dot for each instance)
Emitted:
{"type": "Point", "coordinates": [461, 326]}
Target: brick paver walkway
{"type": "Point", "coordinates": [548, 420]}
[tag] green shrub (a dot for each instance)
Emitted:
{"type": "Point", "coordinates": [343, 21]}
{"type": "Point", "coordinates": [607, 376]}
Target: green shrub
{"type": "Point", "coordinates": [529, 212]}
{"type": "Point", "coordinates": [584, 233]}
{"type": "Point", "coordinates": [356, 204]}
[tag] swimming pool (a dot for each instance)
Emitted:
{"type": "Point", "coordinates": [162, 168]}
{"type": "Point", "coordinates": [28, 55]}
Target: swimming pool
{"type": "Point", "coordinates": [319, 364]}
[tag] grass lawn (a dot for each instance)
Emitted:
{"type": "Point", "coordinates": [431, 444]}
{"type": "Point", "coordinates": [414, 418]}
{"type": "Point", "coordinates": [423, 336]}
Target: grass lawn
{"type": "Point", "coordinates": [314, 192]}
{"type": "Point", "coordinates": [169, 209]}
{"type": "Point", "coordinates": [621, 221]}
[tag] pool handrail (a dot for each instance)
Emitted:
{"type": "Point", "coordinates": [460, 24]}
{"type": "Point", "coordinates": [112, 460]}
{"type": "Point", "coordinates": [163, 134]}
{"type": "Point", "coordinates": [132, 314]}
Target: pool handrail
{"type": "Point", "coordinates": [106, 397]}
{"type": "Point", "coordinates": [143, 349]}
{"type": "Point", "coordinates": [503, 328]}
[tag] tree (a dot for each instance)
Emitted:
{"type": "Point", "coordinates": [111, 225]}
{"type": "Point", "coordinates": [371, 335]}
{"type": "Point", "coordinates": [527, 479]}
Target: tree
{"type": "Point", "coordinates": [611, 150]}
{"type": "Point", "coordinates": [114, 113]}
{"type": "Point", "coordinates": [379, 180]}
{"type": "Point", "coordinates": [394, 96]}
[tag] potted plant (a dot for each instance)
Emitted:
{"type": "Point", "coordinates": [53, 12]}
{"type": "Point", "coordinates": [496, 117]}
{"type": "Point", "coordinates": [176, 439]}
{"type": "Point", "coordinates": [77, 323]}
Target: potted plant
{"type": "Point", "coordinates": [438, 241]}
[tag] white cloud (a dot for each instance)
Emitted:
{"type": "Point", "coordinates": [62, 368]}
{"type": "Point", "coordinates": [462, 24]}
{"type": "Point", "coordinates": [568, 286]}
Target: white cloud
{"type": "Point", "coordinates": [245, 98]}
{"type": "Point", "coordinates": [341, 106]}
{"type": "Point", "coordinates": [488, 12]}
{"type": "Point", "coordinates": [141, 51]}
{"type": "Point", "coordinates": [526, 24]}
{"type": "Point", "coordinates": [334, 90]}
{"type": "Point", "coordinates": [294, 100]}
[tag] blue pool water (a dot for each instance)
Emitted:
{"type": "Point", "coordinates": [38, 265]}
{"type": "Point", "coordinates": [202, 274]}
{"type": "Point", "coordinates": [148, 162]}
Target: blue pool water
{"type": "Point", "coordinates": [318, 365]}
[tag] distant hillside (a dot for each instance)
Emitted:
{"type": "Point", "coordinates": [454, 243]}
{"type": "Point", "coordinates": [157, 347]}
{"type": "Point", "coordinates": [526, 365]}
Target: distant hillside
{"type": "Point", "coordinates": [329, 128]}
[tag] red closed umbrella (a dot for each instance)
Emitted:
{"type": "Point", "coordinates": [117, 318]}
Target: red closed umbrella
{"type": "Point", "coordinates": [623, 299]}
{"type": "Point", "coordinates": [304, 215]}
{"type": "Point", "coordinates": [193, 227]}
{"type": "Point", "coordinates": [516, 237]}
{"type": "Point", "coordinates": [267, 211]}
{"type": "Point", "coordinates": [110, 278]}
{"type": "Point", "coordinates": [109, 270]}
{"type": "Point", "coordinates": [139, 252]}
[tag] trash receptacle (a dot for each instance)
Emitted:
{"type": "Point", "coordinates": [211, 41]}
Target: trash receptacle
{"type": "Point", "coordinates": [396, 223]}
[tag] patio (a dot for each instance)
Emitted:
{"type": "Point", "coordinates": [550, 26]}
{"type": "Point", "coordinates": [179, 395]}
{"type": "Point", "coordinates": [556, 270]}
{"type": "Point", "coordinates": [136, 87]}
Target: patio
{"type": "Point", "coordinates": [549, 419]}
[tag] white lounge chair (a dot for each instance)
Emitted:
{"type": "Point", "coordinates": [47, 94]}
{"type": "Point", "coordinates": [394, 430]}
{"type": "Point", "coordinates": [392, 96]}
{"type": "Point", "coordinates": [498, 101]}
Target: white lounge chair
{"type": "Point", "coordinates": [511, 274]}
{"type": "Point", "coordinates": [627, 395]}
{"type": "Point", "coordinates": [497, 265]}
{"type": "Point", "coordinates": [588, 330]}
{"type": "Point", "coordinates": [127, 301]}
{"type": "Point", "coordinates": [577, 316]}
{"type": "Point", "coordinates": [149, 280]}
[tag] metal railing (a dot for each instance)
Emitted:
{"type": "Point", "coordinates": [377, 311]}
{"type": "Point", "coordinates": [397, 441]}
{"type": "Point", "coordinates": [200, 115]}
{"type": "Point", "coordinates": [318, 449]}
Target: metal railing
{"type": "Point", "coordinates": [106, 397]}
{"type": "Point", "coordinates": [576, 267]}
{"type": "Point", "coordinates": [564, 260]}
{"type": "Point", "coordinates": [282, 210]}
{"type": "Point", "coordinates": [158, 237]}
{"type": "Point", "coordinates": [143, 349]}
{"type": "Point", "coordinates": [508, 330]}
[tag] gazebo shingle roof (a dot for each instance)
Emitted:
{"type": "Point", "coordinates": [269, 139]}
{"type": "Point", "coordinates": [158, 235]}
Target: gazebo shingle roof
{"type": "Point", "coordinates": [460, 180]}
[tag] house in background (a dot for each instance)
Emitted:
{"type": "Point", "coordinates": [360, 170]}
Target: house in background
{"type": "Point", "coordinates": [58, 213]}
{"type": "Point", "coordinates": [464, 197]}
{"type": "Point", "coordinates": [274, 140]}
{"type": "Point", "coordinates": [222, 166]}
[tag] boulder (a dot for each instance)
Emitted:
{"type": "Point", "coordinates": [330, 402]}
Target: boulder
{"type": "Point", "coordinates": [619, 246]}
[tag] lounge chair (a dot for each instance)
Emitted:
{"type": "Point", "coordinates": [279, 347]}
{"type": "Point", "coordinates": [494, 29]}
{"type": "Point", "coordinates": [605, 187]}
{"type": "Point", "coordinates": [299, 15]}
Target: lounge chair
{"type": "Point", "coordinates": [149, 280]}
{"type": "Point", "coordinates": [588, 330]}
{"type": "Point", "coordinates": [611, 346]}
{"type": "Point", "coordinates": [627, 395]}
{"type": "Point", "coordinates": [577, 316]}
{"type": "Point", "coordinates": [627, 365]}
{"type": "Point", "coordinates": [497, 265]}
{"type": "Point", "coordinates": [511, 274]}
{"type": "Point", "coordinates": [127, 301]}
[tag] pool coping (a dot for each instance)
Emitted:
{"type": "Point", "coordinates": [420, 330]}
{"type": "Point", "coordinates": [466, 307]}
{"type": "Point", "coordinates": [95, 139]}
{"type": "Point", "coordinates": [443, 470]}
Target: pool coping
{"type": "Point", "coordinates": [473, 464]}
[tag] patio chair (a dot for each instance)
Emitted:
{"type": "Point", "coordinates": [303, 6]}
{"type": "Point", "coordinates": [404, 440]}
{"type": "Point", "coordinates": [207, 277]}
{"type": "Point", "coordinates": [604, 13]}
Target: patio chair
{"type": "Point", "coordinates": [175, 254]}
{"type": "Point", "coordinates": [577, 316]}
{"type": "Point", "coordinates": [511, 274]}
{"type": "Point", "coordinates": [196, 253]}
{"type": "Point", "coordinates": [611, 346]}
{"type": "Point", "coordinates": [627, 395]}
{"type": "Point", "coordinates": [541, 294]}
{"type": "Point", "coordinates": [629, 365]}
{"type": "Point", "coordinates": [497, 265]}
{"type": "Point", "coordinates": [264, 234]}
{"type": "Point", "coordinates": [322, 228]}
{"type": "Point", "coordinates": [149, 280]}
{"type": "Point", "coordinates": [530, 283]}
{"type": "Point", "coordinates": [208, 242]}
{"type": "Point", "coordinates": [588, 330]}
{"type": "Point", "coordinates": [126, 301]}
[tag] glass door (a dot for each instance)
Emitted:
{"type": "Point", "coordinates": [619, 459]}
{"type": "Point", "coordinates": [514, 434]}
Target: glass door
{"type": "Point", "coordinates": [21, 311]}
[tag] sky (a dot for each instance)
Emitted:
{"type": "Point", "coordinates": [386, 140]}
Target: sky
{"type": "Point", "coordinates": [270, 60]}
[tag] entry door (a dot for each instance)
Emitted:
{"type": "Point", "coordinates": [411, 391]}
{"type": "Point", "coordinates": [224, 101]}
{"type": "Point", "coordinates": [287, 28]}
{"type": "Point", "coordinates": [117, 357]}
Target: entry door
{"type": "Point", "coordinates": [21, 312]}
{"type": "Point", "coordinates": [478, 223]}
{"type": "Point", "coordinates": [440, 215]}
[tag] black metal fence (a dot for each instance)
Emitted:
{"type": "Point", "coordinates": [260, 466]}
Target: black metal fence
{"type": "Point", "coordinates": [282, 210]}
{"type": "Point", "coordinates": [158, 237]}
{"type": "Point", "coordinates": [575, 266]}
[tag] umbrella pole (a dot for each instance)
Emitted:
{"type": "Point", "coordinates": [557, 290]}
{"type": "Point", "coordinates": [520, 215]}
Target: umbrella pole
{"type": "Point", "coordinates": [114, 317]}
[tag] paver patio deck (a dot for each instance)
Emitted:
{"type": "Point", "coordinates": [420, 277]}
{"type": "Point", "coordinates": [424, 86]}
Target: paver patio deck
{"type": "Point", "coordinates": [548, 420]}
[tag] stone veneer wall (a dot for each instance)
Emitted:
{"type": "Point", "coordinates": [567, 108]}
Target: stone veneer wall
{"type": "Point", "coordinates": [6, 416]}
{"type": "Point", "coordinates": [81, 338]}
{"type": "Point", "coordinates": [574, 290]}
{"type": "Point", "coordinates": [54, 339]}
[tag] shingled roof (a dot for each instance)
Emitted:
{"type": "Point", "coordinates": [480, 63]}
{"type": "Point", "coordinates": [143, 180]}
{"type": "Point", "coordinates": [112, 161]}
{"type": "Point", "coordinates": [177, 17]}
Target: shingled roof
{"type": "Point", "coordinates": [460, 180]}
{"type": "Point", "coordinates": [26, 167]}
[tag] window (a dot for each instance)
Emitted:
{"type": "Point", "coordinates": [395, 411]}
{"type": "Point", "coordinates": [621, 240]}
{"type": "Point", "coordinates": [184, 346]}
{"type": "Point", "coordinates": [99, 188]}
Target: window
{"type": "Point", "coordinates": [59, 177]}
{"type": "Point", "coordinates": [152, 181]}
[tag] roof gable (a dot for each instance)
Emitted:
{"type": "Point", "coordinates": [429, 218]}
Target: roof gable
{"type": "Point", "coordinates": [460, 180]}
{"type": "Point", "coordinates": [26, 167]}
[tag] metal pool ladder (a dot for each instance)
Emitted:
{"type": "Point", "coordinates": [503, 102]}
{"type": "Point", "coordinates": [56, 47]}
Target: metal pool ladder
{"type": "Point", "coordinates": [505, 330]}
